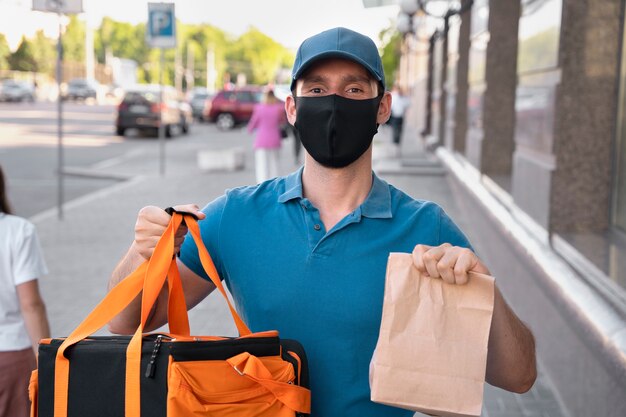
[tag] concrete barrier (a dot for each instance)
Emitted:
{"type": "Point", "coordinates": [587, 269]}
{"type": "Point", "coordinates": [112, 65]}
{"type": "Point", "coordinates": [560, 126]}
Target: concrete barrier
{"type": "Point", "coordinates": [232, 159]}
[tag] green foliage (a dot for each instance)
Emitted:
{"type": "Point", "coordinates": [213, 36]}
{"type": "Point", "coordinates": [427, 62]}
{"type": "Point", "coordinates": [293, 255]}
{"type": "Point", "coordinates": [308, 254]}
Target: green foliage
{"type": "Point", "coordinates": [74, 41]}
{"type": "Point", "coordinates": [23, 59]}
{"type": "Point", "coordinates": [198, 40]}
{"type": "Point", "coordinates": [45, 53]}
{"type": "Point", "coordinates": [258, 56]}
{"type": "Point", "coordinates": [121, 40]}
{"type": "Point", "coordinates": [254, 54]}
{"type": "Point", "coordinates": [391, 40]}
{"type": "Point", "coordinates": [5, 52]}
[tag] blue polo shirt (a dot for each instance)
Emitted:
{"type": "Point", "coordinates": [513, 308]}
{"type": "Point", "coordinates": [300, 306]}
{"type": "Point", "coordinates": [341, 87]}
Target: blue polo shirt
{"type": "Point", "coordinates": [321, 287]}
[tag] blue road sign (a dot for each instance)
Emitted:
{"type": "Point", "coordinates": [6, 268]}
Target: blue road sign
{"type": "Point", "coordinates": [161, 28]}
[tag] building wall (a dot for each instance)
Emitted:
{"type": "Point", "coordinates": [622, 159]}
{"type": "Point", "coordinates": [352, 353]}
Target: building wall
{"type": "Point", "coordinates": [460, 112]}
{"type": "Point", "coordinates": [479, 39]}
{"type": "Point", "coordinates": [585, 117]}
{"type": "Point", "coordinates": [499, 100]}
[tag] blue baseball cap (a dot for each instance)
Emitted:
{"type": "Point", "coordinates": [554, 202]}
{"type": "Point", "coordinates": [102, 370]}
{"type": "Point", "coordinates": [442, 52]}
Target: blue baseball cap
{"type": "Point", "coordinates": [338, 43]}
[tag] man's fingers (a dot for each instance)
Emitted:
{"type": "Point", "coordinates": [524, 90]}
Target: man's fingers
{"type": "Point", "coordinates": [450, 263]}
{"type": "Point", "coordinates": [191, 208]}
{"type": "Point", "coordinates": [466, 262]}
{"type": "Point", "coordinates": [425, 259]}
{"type": "Point", "coordinates": [446, 265]}
{"type": "Point", "coordinates": [418, 259]}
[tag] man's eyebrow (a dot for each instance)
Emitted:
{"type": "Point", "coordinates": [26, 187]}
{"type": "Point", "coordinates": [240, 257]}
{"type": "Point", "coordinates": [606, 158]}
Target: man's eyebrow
{"type": "Point", "coordinates": [313, 78]}
{"type": "Point", "coordinates": [356, 78]}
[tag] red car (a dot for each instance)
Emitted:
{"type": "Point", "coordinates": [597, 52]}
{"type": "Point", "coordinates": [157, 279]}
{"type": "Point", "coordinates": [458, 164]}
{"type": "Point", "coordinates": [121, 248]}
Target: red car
{"type": "Point", "coordinates": [232, 107]}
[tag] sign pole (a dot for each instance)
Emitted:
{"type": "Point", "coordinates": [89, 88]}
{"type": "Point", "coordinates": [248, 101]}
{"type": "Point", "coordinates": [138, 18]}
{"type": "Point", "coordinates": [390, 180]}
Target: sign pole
{"type": "Point", "coordinates": [161, 126]}
{"type": "Point", "coordinates": [61, 162]}
{"type": "Point", "coordinates": [60, 7]}
{"type": "Point", "coordinates": [161, 33]}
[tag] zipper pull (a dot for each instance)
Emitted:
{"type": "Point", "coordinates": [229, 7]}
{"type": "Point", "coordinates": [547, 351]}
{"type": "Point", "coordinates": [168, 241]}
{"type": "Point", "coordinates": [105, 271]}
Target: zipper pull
{"type": "Point", "coordinates": [152, 364]}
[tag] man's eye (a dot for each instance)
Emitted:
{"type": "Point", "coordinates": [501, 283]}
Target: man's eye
{"type": "Point", "coordinates": [355, 90]}
{"type": "Point", "coordinates": [315, 90]}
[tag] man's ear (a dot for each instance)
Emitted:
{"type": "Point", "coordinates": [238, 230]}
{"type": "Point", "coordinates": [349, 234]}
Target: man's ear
{"type": "Point", "coordinates": [290, 109]}
{"type": "Point", "coordinates": [384, 109]}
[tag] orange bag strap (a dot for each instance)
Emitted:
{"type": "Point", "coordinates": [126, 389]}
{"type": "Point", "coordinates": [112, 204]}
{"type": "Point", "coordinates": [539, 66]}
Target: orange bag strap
{"type": "Point", "coordinates": [177, 317]}
{"type": "Point", "coordinates": [295, 397]}
{"type": "Point", "coordinates": [156, 274]}
{"type": "Point", "coordinates": [209, 268]}
{"type": "Point", "coordinates": [116, 300]}
{"type": "Point", "coordinates": [149, 277]}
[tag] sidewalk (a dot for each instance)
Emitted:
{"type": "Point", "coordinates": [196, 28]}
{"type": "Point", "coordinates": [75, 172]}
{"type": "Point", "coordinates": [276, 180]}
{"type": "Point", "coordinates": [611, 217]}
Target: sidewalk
{"type": "Point", "coordinates": [82, 250]}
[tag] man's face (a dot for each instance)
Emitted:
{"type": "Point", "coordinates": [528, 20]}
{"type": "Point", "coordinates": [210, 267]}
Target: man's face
{"type": "Point", "coordinates": [337, 76]}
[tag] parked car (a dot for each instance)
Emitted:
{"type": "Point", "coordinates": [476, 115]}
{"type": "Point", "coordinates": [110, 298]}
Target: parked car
{"type": "Point", "coordinates": [81, 89]}
{"type": "Point", "coordinates": [197, 100]}
{"type": "Point", "coordinates": [141, 108]}
{"type": "Point", "coordinates": [232, 107]}
{"type": "Point", "coordinates": [16, 91]}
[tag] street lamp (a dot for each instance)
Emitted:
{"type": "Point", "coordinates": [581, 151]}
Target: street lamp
{"type": "Point", "coordinates": [403, 23]}
{"type": "Point", "coordinates": [409, 7]}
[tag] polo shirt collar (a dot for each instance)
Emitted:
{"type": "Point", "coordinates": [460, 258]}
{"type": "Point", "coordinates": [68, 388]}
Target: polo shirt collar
{"type": "Point", "coordinates": [377, 205]}
{"type": "Point", "coordinates": [293, 186]}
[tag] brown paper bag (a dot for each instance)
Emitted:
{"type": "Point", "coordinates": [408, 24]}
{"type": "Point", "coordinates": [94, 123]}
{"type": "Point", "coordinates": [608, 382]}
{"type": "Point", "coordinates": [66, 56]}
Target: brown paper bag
{"type": "Point", "coordinates": [431, 354]}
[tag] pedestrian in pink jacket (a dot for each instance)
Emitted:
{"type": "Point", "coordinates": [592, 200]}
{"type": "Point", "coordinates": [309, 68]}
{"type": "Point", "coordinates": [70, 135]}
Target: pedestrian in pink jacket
{"type": "Point", "coordinates": [266, 121]}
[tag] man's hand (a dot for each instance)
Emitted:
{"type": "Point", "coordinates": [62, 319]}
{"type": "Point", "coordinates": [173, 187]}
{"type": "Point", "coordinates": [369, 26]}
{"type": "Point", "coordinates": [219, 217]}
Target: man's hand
{"type": "Point", "coordinates": [450, 263]}
{"type": "Point", "coordinates": [152, 222]}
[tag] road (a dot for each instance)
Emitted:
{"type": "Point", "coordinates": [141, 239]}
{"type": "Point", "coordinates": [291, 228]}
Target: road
{"type": "Point", "coordinates": [29, 151]}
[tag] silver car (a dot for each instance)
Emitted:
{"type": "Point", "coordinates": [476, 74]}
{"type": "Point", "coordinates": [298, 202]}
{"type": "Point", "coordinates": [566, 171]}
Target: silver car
{"type": "Point", "coordinates": [17, 91]}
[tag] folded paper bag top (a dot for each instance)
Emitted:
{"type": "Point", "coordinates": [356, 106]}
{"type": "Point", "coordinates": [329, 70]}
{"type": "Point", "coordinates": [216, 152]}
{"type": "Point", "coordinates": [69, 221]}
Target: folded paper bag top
{"type": "Point", "coordinates": [431, 354]}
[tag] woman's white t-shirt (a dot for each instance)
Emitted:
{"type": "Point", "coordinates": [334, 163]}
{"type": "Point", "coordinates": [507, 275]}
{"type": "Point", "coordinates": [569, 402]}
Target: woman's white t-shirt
{"type": "Point", "coordinates": [21, 260]}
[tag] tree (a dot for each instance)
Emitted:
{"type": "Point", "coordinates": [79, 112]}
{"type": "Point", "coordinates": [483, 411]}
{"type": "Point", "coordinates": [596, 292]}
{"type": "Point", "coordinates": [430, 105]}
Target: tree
{"type": "Point", "coordinates": [5, 52]}
{"type": "Point", "coordinates": [258, 56]}
{"type": "Point", "coordinates": [74, 41]}
{"type": "Point", "coordinates": [201, 39]}
{"type": "Point", "coordinates": [391, 40]}
{"type": "Point", "coordinates": [44, 50]}
{"type": "Point", "coordinates": [23, 59]}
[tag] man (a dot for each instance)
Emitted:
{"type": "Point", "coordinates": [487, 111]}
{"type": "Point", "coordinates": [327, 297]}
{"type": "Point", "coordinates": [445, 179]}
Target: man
{"type": "Point", "coordinates": [306, 254]}
{"type": "Point", "coordinates": [399, 105]}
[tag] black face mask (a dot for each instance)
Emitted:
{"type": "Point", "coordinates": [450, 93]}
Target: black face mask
{"type": "Point", "coordinates": [335, 130]}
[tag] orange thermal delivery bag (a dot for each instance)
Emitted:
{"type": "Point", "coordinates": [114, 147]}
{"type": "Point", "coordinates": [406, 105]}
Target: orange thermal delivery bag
{"type": "Point", "coordinates": [168, 374]}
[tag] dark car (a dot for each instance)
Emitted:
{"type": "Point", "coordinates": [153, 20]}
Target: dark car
{"type": "Point", "coordinates": [232, 107]}
{"type": "Point", "coordinates": [197, 100]}
{"type": "Point", "coordinates": [142, 109]}
{"type": "Point", "coordinates": [13, 90]}
{"type": "Point", "coordinates": [81, 89]}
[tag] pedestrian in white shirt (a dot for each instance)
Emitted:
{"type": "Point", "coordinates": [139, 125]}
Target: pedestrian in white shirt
{"type": "Point", "coordinates": [23, 319]}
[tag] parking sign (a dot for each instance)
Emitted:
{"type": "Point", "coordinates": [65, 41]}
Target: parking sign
{"type": "Point", "coordinates": [161, 29]}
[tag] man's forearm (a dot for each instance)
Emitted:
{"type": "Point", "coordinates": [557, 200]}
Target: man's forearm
{"type": "Point", "coordinates": [511, 362]}
{"type": "Point", "coordinates": [127, 321]}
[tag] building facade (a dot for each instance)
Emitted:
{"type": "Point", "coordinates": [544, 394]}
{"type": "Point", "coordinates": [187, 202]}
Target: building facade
{"type": "Point", "coordinates": [528, 107]}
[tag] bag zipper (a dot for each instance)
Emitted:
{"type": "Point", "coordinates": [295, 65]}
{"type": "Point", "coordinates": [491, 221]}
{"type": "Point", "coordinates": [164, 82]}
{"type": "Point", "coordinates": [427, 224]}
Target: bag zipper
{"type": "Point", "coordinates": [155, 351]}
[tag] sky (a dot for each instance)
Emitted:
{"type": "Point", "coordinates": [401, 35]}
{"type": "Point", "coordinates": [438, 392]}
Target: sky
{"type": "Point", "coordinates": [288, 22]}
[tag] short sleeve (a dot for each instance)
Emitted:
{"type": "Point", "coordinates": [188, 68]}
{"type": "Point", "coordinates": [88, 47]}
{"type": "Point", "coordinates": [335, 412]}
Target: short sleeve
{"type": "Point", "coordinates": [450, 233]}
{"type": "Point", "coordinates": [28, 261]}
{"type": "Point", "coordinates": [209, 231]}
